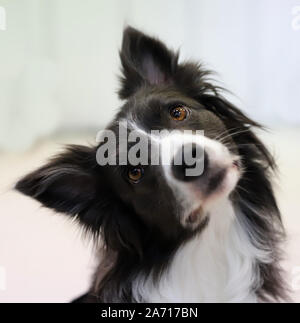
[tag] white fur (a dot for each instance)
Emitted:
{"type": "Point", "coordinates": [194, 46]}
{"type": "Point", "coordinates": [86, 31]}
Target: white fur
{"type": "Point", "coordinates": [219, 157]}
{"type": "Point", "coordinates": [218, 265]}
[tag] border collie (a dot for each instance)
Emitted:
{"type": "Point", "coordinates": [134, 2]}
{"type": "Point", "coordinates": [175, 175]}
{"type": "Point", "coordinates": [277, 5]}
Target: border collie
{"type": "Point", "coordinates": [167, 236]}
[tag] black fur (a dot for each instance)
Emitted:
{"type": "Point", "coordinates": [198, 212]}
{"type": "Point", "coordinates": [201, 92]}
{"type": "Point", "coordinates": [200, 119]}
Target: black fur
{"type": "Point", "coordinates": [73, 183]}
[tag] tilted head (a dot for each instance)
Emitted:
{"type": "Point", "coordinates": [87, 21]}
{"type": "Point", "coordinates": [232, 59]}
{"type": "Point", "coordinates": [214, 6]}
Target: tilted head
{"type": "Point", "coordinates": [144, 211]}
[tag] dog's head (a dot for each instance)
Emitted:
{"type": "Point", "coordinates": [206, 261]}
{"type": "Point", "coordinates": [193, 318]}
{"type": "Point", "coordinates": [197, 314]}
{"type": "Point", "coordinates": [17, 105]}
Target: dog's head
{"type": "Point", "coordinates": [130, 201]}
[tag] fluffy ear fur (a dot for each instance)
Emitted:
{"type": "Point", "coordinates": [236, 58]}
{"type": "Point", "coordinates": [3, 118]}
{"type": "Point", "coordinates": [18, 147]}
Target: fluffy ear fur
{"type": "Point", "coordinates": [73, 183]}
{"type": "Point", "coordinates": [66, 184]}
{"type": "Point", "coordinates": [145, 60]}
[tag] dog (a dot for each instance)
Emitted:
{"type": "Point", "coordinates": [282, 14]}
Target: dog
{"type": "Point", "coordinates": [163, 235]}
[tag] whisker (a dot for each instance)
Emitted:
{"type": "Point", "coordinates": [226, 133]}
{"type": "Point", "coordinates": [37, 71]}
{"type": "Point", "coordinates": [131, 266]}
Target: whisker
{"type": "Point", "coordinates": [225, 132]}
{"type": "Point", "coordinates": [233, 134]}
{"type": "Point", "coordinates": [243, 189]}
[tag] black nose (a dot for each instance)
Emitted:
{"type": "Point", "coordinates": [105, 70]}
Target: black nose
{"type": "Point", "coordinates": [190, 163]}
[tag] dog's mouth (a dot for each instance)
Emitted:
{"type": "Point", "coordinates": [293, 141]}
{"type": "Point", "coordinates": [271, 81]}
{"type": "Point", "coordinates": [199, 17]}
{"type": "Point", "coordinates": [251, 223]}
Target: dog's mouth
{"type": "Point", "coordinates": [236, 163]}
{"type": "Point", "coordinates": [194, 215]}
{"type": "Point", "coordinates": [221, 184]}
{"type": "Point", "coordinates": [194, 219]}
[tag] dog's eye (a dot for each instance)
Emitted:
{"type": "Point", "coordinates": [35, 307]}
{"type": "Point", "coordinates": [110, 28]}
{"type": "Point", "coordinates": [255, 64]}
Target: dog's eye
{"type": "Point", "coordinates": [135, 174]}
{"type": "Point", "coordinates": [179, 113]}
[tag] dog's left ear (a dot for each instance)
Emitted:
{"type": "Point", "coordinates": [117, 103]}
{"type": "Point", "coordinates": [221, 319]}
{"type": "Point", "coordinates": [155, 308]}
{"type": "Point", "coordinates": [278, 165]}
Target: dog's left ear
{"type": "Point", "coordinates": [145, 60]}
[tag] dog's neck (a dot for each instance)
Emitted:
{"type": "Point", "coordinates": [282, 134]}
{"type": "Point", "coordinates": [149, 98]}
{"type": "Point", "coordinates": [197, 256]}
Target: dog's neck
{"type": "Point", "coordinates": [218, 265]}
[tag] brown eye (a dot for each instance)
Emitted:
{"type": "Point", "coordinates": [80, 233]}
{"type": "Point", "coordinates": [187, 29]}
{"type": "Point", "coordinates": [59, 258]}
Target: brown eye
{"type": "Point", "coordinates": [178, 113]}
{"type": "Point", "coordinates": [135, 174]}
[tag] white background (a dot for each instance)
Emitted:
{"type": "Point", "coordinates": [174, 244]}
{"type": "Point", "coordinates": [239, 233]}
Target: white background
{"type": "Point", "coordinates": [59, 58]}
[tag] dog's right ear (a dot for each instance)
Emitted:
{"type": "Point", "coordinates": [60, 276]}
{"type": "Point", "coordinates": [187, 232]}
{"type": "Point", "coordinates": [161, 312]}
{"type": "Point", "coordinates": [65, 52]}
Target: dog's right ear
{"type": "Point", "coordinates": [72, 183]}
{"type": "Point", "coordinates": [145, 60]}
{"type": "Point", "coordinates": [66, 184]}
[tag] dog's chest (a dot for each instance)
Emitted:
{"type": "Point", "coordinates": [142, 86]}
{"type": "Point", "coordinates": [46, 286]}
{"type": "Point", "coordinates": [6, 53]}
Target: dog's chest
{"type": "Point", "coordinates": [216, 266]}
